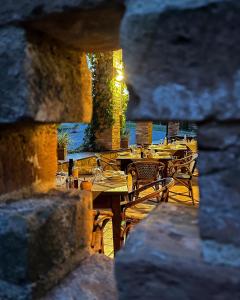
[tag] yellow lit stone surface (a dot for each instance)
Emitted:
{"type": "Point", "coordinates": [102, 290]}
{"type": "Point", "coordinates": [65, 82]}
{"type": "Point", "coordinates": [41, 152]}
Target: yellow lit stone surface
{"type": "Point", "coordinates": [110, 138]}
{"type": "Point", "coordinates": [28, 160]}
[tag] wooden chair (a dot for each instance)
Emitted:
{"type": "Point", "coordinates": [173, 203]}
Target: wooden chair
{"type": "Point", "coordinates": [145, 171]}
{"type": "Point", "coordinates": [100, 220]}
{"type": "Point", "coordinates": [139, 206]}
{"type": "Point", "coordinates": [182, 171]}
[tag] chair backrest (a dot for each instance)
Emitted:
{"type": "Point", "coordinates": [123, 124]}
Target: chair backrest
{"type": "Point", "coordinates": [193, 162]}
{"type": "Point", "coordinates": [186, 164]}
{"type": "Point", "coordinates": [147, 169]}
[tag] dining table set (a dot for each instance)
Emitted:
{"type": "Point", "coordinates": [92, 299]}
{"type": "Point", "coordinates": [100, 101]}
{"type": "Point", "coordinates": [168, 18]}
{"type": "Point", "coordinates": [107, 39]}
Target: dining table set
{"type": "Point", "coordinates": [110, 187]}
{"type": "Point", "coordinates": [162, 153]}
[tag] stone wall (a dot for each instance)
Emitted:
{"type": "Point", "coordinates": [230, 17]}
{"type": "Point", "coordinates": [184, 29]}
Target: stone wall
{"type": "Point", "coordinates": [167, 262]}
{"type": "Point", "coordinates": [190, 73]}
{"type": "Point", "coordinates": [48, 82]}
{"type": "Point", "coordinates": [27, 158]}
{"type": "Point", "coordinates": [43, 238]}
{"type": "Point", "coordinates": [182, 63]}
{"type": "Point", "coordinates": [44, 79]}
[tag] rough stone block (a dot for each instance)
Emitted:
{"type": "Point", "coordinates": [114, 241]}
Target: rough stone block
{"type": "Point", "coordinates": [93, 279]}
{"type": "Point", "coordinates": [172, 129]}
{"type": "Point", "coordinates": [182, 59]}
{"type": "Point", "coordinates": [42, 239]}
{"type": "Point", "coordinates": [28, 160]}
{"type": "Point", "coordinates": [41, 80]}
{"type": "Point", "coordinates": [162, 260]}
{"type": "Point", "coordinates": [144, 133]}
{"type": "Point", "coordinates": [79, 24]}
{"type": "Point", "coordinates": [26, 9]}
{"type": "Point", "coordinates": [219, 182]}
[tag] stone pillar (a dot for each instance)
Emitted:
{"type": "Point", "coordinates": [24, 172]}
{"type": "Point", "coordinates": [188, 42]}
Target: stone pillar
{"type": "Point", "coordinates": [44, 235]}
{"type": "Point", "coordinates": [172, 129]}
{"type": "Point", "coordinates": [47, 82]}
{"type": "Point", "coordinates": [44, 79]}
{"type": "Point", "coordinates": [187, 88]}
{"type": "Point", "coordinates": [143, 133]}
{"type": "Point", "coordinates": [191, 73]}
{"type": "Point", "coordinates": [108, 92]}
{"type": "Point", "coordinates": [42, 239]}
{"type": "Point", "coordinates": [219, 167]}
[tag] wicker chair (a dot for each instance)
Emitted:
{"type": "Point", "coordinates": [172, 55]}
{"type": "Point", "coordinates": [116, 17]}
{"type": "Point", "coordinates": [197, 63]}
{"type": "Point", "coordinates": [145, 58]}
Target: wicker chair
{"type": "Point", "coordinates": [145, 171]}
{"type": "Point", "coordinates": [182, 171]}
{"type": "Point", "coordinates": [100, 220]}
{"type": "Point", "coordinates": [139, 206]}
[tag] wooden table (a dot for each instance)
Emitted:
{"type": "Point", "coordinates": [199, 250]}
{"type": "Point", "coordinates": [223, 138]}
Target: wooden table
{"type": "Point", "coordinates": [108, 195]}
{"type": "Point", "coordinates": [169, 148]}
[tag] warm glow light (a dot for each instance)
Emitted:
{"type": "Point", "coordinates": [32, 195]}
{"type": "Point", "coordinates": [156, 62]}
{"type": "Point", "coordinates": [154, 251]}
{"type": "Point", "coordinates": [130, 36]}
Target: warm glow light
{"type": "Point", "coordinates": [119, 70]}
{"type": "Point", "coordinates": [117, 84]}
{"type": "Point", "coordinates": [119, 77]}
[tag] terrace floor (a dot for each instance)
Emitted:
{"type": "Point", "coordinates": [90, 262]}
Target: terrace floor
{"type": "Point", "coordinates": [173, 198]}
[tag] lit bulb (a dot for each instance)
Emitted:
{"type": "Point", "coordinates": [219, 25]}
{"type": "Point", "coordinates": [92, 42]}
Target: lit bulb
{"type": "Point", "coordinates": [119, 77]}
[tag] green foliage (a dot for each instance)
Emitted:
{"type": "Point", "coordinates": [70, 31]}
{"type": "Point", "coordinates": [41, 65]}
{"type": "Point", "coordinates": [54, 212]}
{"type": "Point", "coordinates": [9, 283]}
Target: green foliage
{"type": "Point", "coordinates": [105, 88]}
{"type": "Point", "coordinates": [102, 100]}
{"type": "Point", "coordinates": [125, 133]}
{"type": "Point", "coordinates": [125, 98]}
{"type": "Point", "coordinates": [63, 139]}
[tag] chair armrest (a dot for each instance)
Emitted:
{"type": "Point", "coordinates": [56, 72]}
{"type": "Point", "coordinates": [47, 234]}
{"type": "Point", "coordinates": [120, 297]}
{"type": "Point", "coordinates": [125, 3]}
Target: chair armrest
{"type": "Point", "coordinates": [165, 184]}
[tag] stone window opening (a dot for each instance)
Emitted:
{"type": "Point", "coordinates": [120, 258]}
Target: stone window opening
{"type": "Point", "coordinates": [199, 78]}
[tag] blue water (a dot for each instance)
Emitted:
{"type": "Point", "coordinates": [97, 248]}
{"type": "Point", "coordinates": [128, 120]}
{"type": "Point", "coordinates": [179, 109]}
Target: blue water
{"type": "Point", "coordinates": [76, 132]}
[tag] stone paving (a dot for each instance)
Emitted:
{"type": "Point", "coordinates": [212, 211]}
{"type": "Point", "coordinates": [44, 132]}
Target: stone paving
{"type": "Point", "coordinates": [173, 198]}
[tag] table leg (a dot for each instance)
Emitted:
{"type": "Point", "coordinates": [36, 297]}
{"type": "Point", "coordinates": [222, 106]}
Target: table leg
{"type": "Point", "coordinates": [116, 223]}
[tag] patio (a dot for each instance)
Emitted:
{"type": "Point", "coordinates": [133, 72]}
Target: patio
{"type": "Point", "coordinates": [180, 199]}
{"type": "Point", "coordinates": [61, 62]}
{"type": "Point", "coordinates": [95, 170]}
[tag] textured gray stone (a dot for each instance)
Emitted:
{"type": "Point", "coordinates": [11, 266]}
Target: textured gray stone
{"type": "Point", "coordinates": [219, 162]}
{"type": "Point", "coordinates": [80, 24]}
{"type": "Point", "coordinates": [219, 146]}
{"type": "Point", "coordinates": [220, 206]}
{"type": "Point", "coordinates": [92, 280]}
{"type": "Point", "coordinates": [219, 136]}
{"type": "Point", "coordinates": [13, 87]}
{"type": "Point", "coordinates": [217, 253]}
{"type": "Point", "coordinates": [85, 30]}
{"type": "Point", "coordinates": [162, 260]}
{"type": "Point", "coordinates": [41, 80]}
{"type": "Point", "coordinates": [182, 59]}
{"type": "Point", "coordinates": [27, 9]}
{"type": "Point", "coordinates": [42, 239]}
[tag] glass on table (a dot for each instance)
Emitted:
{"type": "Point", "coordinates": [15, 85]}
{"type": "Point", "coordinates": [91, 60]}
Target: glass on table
{"type": "Point", "coordinates": [97, 174]}
{"type": "Point", "coordinates": [61, 179]}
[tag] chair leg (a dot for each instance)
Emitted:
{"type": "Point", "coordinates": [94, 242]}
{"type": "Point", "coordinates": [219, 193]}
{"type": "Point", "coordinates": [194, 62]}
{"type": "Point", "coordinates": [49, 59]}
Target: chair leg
{"type": "Point", "coordinates": [124, 232]}
{"type": "Point", "coordinates": [191, 192]}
